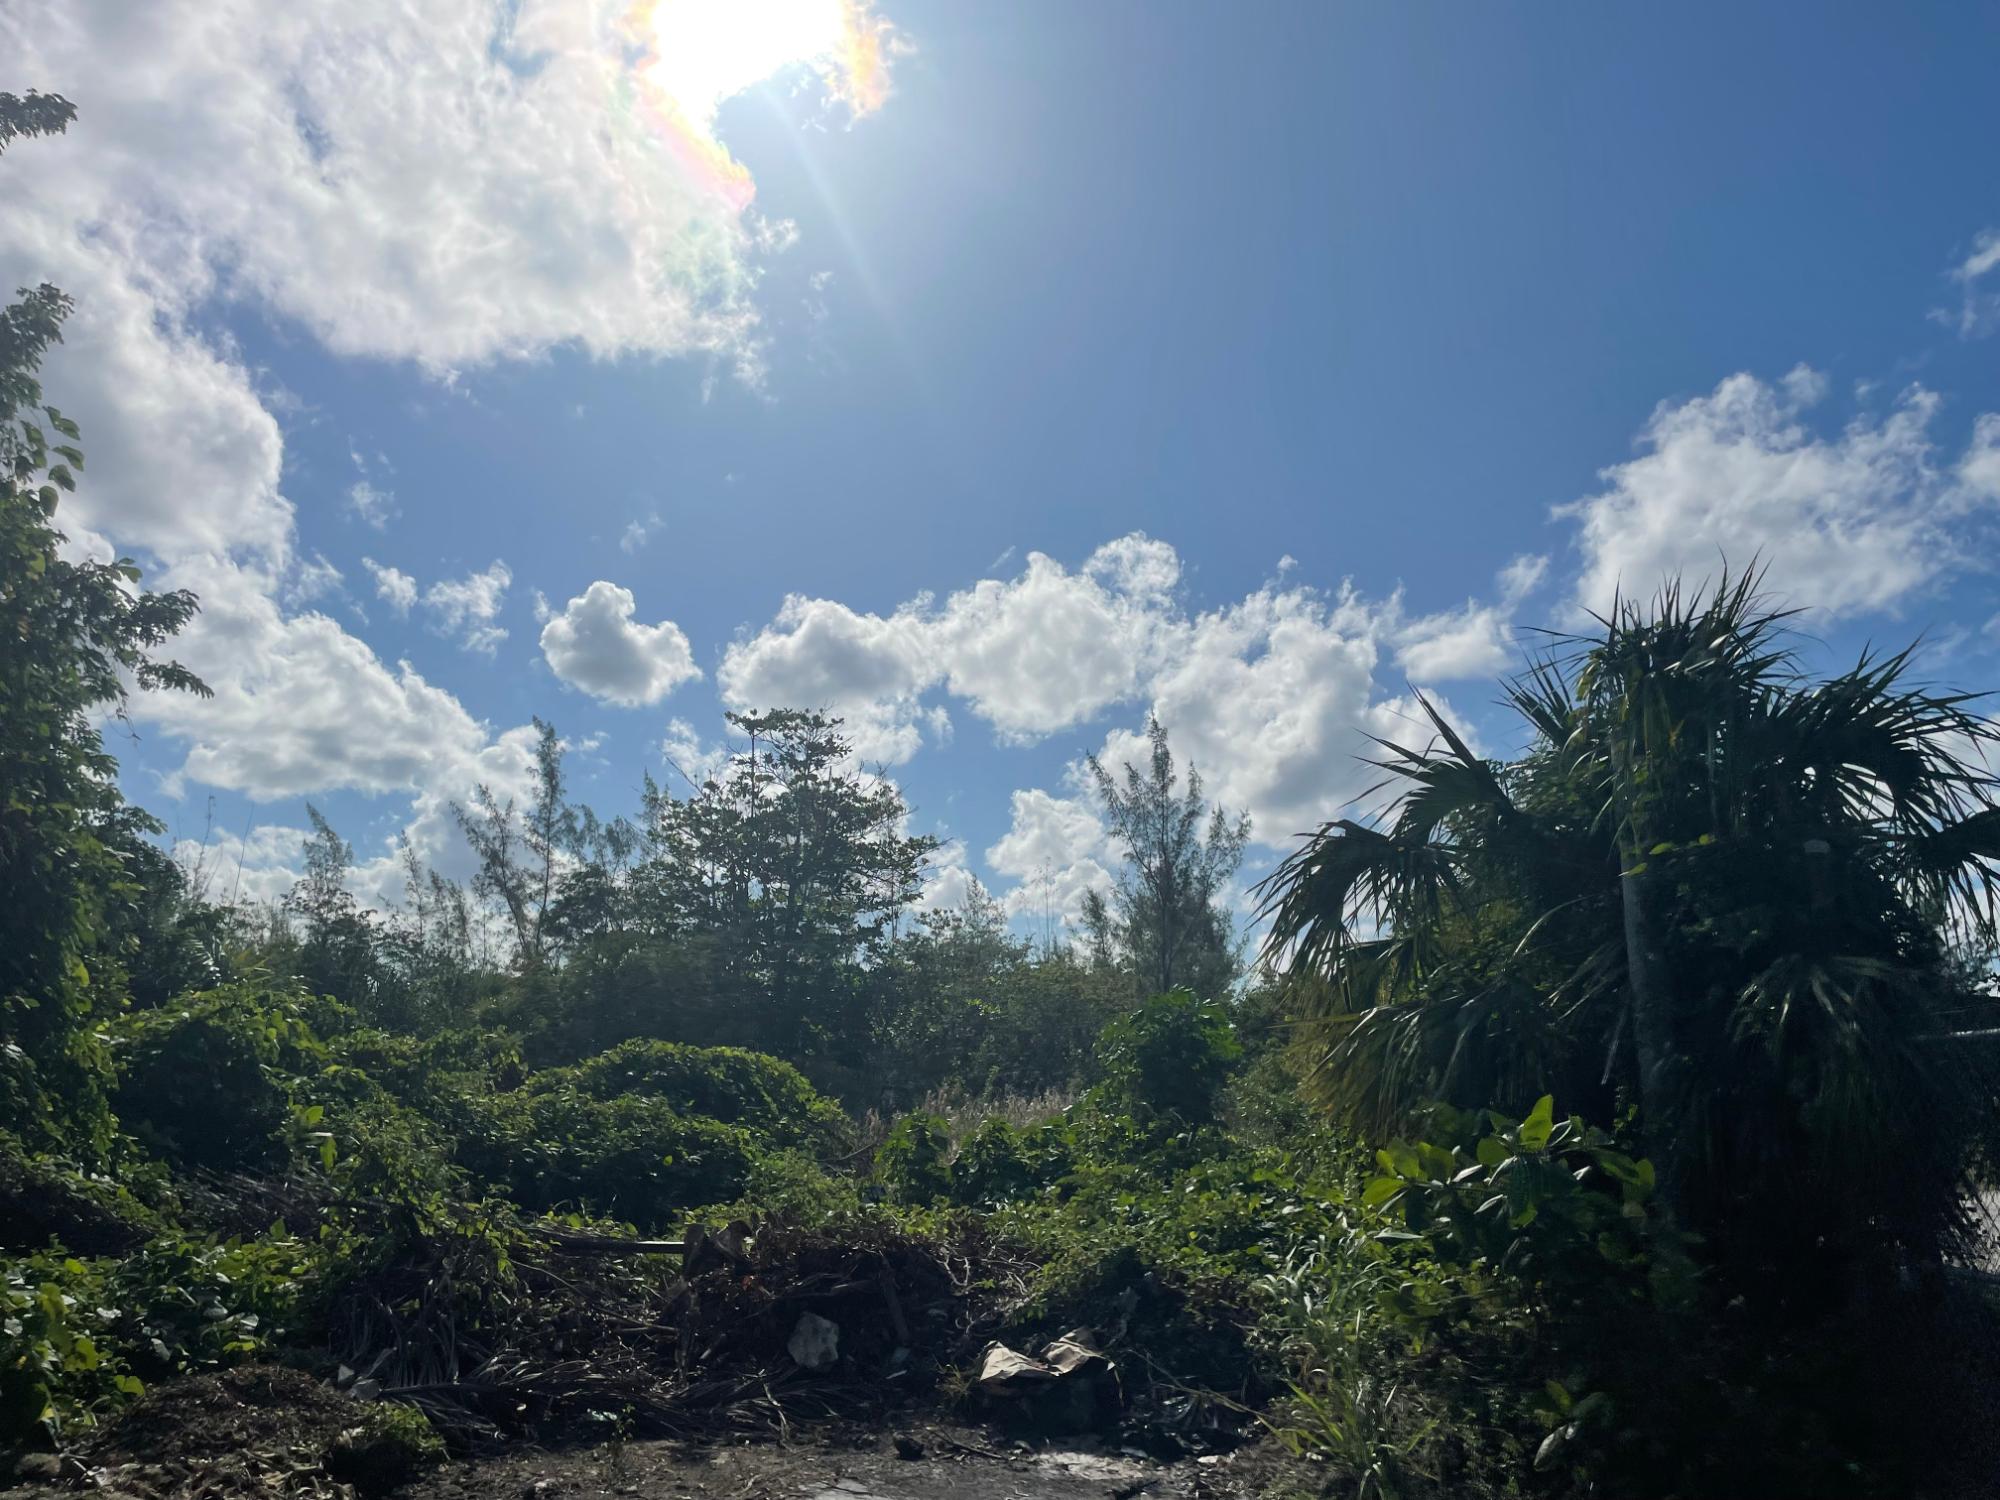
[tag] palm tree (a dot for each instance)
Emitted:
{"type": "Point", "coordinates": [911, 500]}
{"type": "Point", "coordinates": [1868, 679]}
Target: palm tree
{"type": "Point", "coordinates": [1752, 904]}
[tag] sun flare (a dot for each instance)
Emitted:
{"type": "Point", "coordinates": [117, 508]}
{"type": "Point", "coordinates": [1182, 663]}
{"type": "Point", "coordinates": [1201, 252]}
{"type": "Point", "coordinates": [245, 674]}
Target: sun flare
{"type": "Point", "coordinates": [705, 52]}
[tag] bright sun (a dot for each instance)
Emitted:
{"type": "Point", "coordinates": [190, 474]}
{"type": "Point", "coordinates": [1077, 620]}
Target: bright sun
{"type": "Point", "coordinates": [707, 51]}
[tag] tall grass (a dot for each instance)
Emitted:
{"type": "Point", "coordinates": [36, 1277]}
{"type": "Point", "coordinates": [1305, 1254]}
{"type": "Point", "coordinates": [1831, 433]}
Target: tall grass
{"type": "Point", "coordinates": [963, 1113]}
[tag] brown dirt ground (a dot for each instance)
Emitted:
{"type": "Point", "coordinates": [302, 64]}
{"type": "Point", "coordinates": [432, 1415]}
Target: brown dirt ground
{"type": "Point", "coordinates": [263, 1432]}
{"type": "Point", "coordinates": [957, 1464]}
{"type": "Point", "coordinates": [258, 1431]}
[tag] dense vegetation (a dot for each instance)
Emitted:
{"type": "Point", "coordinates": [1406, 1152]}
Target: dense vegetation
{"type": "Point", "coordinates": [1589, 1110]}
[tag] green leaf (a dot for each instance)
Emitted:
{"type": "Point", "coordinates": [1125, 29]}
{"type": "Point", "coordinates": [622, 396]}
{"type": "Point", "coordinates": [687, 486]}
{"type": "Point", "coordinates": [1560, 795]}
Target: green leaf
{"type": "Point", "coordinates": [1492, 1151]}
{"type": "Point", "coordinates": [1435, 1163]}
{"type": "Point", "coordinates": [1380, 1190]}
{"type": "Point", "coordinates": [1540, 1122]}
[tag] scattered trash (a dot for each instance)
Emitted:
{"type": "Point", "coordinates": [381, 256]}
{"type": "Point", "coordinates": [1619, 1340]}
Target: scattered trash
{"type": "Point", "coordinates": [1076, 1353]}
{"type": "Point", "coordinates": [1069, 1387]}
{"type": "Point", "coordinates": [815, 1342]}
{"type": "Point", "coordinates": [1005, 1372]}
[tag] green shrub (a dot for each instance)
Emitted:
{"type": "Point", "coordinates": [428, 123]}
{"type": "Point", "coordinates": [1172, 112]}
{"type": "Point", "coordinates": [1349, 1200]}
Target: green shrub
{"type": "Point", "coordinates": [1168, 1058]}
{"type": "Point", "coordinates": [760, 1093]}
{"type": "Point", "coordinates": [914, 1163]}
{"type": "Point", "coordinates": [206, 1082]}
{"type": "Point", "coordinates": [795, 1188]}
{"type": "Point", "coordinates": [1547, 1202]}
{"type": "Point", "coordinates": [414, 1070]}
{"type": "Point", "coordinates": [1001, 1162]}
{"type": "Point", "coordinates": [1553, 1259]}
{"type": "Point", "coordinates": [45, 1198]}
{"type": "Point", "coordinates": [633, 1158]}
{"type": "Point", "coordinates": [80, 1337]}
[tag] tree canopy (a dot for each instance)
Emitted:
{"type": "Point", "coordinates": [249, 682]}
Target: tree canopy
{"type": "Point", "coordinates": [73, 633]}
{"type": "Point", "coordinates": [1713, 886]}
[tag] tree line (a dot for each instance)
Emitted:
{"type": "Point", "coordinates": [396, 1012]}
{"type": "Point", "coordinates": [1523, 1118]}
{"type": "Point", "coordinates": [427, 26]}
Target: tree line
{"type": "Point", "coordinates": [778, 905]}
{"type": "Point", "coordinates": [1624, 1061]}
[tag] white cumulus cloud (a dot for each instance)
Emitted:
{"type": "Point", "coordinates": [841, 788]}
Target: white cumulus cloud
{"type": "Point", "coordinates": [820, 654]}
{"type": "Point", "coordinates": [1049, 648]}
{"type": "Point", "coordinates": [392, 585]}
{"type": "Point", "coordinates": [1042, 651]}
{"type": "Point", "coordinates": [466, 607]}
{"type": "Point", "coordinates": [1849, 522]}
{"type": "Point", "coordinates": [1475, 641]}
{"type": "Point", "coordinates": [1272, 700]}
{"type": "Point", "coordinates": [1056, 851]}
{"type": "Point", "coordinates": [300, 705]}
{"type": "Point", "coordinates": [595, 644]}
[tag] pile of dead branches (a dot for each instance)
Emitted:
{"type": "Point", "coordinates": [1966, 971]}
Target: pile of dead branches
{"type": "Point", "coordinates": [576, 1335]}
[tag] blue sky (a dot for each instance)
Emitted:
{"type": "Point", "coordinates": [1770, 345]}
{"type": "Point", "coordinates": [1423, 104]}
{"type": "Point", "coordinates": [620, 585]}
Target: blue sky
{"type": "Point", "coordinates": [1361, 336]}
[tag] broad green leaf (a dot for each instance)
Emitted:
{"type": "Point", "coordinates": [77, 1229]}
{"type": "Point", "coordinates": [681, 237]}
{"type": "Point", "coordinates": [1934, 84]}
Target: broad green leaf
{"type": "Point", "coordinates": [1380, 1190]}
{"type": "Point", "coordinates": [1540, 1122]}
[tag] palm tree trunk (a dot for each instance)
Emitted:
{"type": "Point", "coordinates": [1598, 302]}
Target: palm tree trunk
{"type": "Point", "coordinates": [1651, 985]}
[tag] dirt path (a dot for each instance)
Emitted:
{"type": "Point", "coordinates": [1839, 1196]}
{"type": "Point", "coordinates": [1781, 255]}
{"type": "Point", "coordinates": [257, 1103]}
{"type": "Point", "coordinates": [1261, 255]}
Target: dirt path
{"type": "Point", "coordinates": [955, 1465]}
{"type": "Point", "coordinates": [265, 1432]}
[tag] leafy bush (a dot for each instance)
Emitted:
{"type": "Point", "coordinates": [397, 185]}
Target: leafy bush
{"type": "Point", "coordinates": [914, 1163]}
{"type": "Point", "coordinates": [206, 1083]}
{"type": "Point", "coordinates": [1168, 1058]}
{"type": "Point", "coordinates": [760, 1093]}
{"type": "Point", "coordinates": [635, 1157]}
{"type": "Point", "coordinates": [413, 1070]}
{"type": "Point", "coordinates": [79, 1337]}
{"type": "Point", "coordinates": [1543, 1201]}
{"type": "Point", "coordinates": [1550, 1254]}
{"type": "Point", "coordinates": [1001, 1162]}
{"type": "Point", "coordinates": [44, 1198]}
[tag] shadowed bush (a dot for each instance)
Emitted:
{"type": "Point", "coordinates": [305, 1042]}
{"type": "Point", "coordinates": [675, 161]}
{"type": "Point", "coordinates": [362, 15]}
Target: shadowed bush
{"type": "Point", "coordinates": [206, 1082]}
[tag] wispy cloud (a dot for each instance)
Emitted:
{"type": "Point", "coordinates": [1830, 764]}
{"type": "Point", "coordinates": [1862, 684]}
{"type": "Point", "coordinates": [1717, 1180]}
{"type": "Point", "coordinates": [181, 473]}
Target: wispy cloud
{"type": "Point", "coordinates": [465, 607]}
{"type": "Point", "coordinates": [1978, 310]}
{"type": "Point", "coordinates": [370, 504]}
{"type": "Point", "coordinates": [638, 533]}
